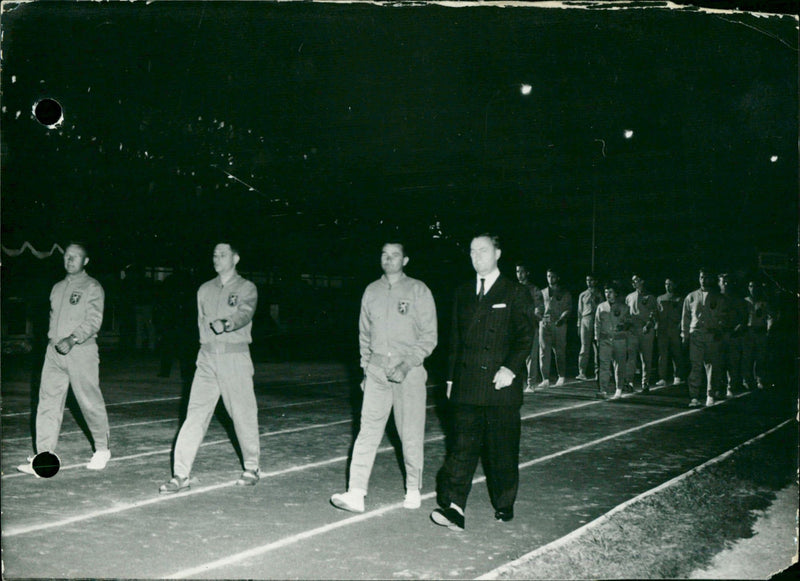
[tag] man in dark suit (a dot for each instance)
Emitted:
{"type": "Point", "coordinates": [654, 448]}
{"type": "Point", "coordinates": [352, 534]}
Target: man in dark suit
{"type": "Point", "coordinates": [491, 337]}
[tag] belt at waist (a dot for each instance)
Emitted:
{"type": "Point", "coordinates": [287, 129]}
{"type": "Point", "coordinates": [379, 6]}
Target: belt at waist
{"type": "Point", "coordinates": [89, 341]}
{"type": "Point", "coordinates": [225, 347]}
{"type": "Point", "coordinates": [384, 361]}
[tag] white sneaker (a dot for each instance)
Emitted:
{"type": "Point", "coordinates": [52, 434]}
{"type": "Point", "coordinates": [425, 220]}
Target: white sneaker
{"type": "Point", "coordinates": [617, 394]}
{"type": "Point", "coordinates": [413, 499]}
{"type": "Point", "coordinates": [28, 468]}
{"type": "Point", "coordinates": [661, 383]}
{"type": "Point", "coordinates": [677, 381]}
{"type": "Point", "coordinates": [560, 381]}
{"type": "Point", "coordinates": [352, 501]}
{"type": "Point", "coordinates": [710, 401]}
{"type": "Point", "coordinates": [695, 403]}
{"type": "Point", "coordinates": [729, 393]}
{"type": "Point", "coordinates": [581, 377]}
{"type": "Point", "coordinates": [99, 460]}
{"type": "Point", "coordinates": [545, 384]}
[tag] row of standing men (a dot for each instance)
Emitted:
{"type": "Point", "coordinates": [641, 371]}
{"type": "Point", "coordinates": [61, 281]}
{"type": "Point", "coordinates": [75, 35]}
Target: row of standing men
{"type": "Point", "coordinates": [713, 338]}
{"type": "Point", "coordinates": [495, 323]}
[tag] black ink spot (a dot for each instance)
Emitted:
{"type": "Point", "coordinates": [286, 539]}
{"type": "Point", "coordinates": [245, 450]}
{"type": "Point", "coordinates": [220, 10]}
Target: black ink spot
{"type": "Point", "coordinates": [48, 112]}
{"type": "Point", "coordinates": [46, 464]}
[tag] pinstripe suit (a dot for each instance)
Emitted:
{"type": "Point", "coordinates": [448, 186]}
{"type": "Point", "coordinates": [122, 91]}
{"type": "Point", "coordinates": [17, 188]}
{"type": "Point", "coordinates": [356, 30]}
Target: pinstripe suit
{"type": "Point", "coordinates": [486, 335]}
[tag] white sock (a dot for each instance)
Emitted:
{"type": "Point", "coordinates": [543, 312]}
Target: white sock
{"type": "Point", "coordinates": [457, 508]}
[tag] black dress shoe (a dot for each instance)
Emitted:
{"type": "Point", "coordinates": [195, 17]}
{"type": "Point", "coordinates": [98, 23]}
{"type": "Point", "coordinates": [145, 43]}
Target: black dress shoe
{"type": "Point", "coordinates": [504, 515]}
{"type": "Point", "coordinates": [448, 517]}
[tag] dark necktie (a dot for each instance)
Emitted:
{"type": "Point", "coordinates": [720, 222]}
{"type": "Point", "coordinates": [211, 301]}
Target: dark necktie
{"type": "Point", "coordinates": [481, 292]}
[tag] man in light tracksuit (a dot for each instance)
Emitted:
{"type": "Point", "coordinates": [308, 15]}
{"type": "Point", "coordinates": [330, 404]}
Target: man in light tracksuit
{"type": "Point", "coordinates": [72, 359]}
{"type": "Point", "coordinates": [553, 330]}
{"type": "Point", "coordinates": [611, 327]}
{"type": "Point", "coordinates": [588, 301]}
{"type": "Point", "coordinates": [225, 309]}
{"type": "Point", "coordinates": [703, 321]}
{"type": "Point", "coordinates": [397, 330]}
{"type": "Point", "coordinates": [642, 336]}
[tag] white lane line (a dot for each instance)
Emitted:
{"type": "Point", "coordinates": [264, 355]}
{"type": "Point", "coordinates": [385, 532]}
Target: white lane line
{"type": "Point", "coordinates": [148, 422]}
{"type": "Point", "coordinates": [560, 542]}
{"type": "Point", "coordinates": [262, 549]}
{"type": "Point", "coordinates": [123, 507]}
{"type": "Point", "coordinates": [160, 399]}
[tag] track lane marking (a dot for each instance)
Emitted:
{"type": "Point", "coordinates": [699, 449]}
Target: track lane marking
{"type": "Point", "coordinates": [172, 398]}
{"type": "Point", "coordinates": [130, 506]}
{"type": "Point", "coordinates": [495, 573]}
{"type": "Point", "coordinates": [262, 549]}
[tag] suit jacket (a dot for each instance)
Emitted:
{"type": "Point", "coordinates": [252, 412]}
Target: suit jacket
{"type": "Point", "coordinates": [485, 336]}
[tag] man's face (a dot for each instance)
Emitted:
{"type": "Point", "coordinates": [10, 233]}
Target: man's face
{"type": "Point", "coordinates": [392, 259]}
{"type": "Point", "coordinates": [611, 295]}
{"type": "Point", "coordinates": [75, 259]}
{"type": "Point", "coordinates": [552, 278]}
{"type": "Point", "coordinates": [722, 281]}
{"type": "Point", "coordinates": [484, 255]}
{"type": "Point", "coordinates": [669, 285]}
{"type": "Point", "coordinates": [751, 288]}
{"type": "Point", "coordinates": [706, 281]}
{"type": "Point", "coordinates": [522, 274]}
{"type": "Point", "coordinates": [590, 282]}
{"type": "Point", "coordinates": [637, 282]}
{"type": "Point", "coordinates": [225, 259]}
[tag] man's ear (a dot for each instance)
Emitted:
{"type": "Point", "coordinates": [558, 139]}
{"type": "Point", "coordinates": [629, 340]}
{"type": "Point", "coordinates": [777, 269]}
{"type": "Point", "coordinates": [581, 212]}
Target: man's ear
{"type": "Point", "coordinates": [405, 260]}
{"type": "Point", "coordinates": [235, 259]}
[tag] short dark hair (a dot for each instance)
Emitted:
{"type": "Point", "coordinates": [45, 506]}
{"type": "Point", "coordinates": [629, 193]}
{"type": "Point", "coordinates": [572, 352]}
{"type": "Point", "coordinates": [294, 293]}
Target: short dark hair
{"type": "Point", "coordinates": [80, 244]}
{"type": "Point", "coordinates": [494, 238]}
{"type": "Point", "coordinates": [554, 271]}
{"type": "Point", "coordinates": [231, 243]}
{"type": "Point", "coordinates": [396, 242]}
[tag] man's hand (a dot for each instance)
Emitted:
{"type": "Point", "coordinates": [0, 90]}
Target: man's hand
{"type": "Point", "coordinates": [398, 373]}
{"type": "Point", "coordinates": [503, 378]}
{"type": "Point", "coordinates": [65, 345]}
{"type": "Point", "coordinates": [218, 326]}
{"type": "Point", "coordinates": [449, 388]}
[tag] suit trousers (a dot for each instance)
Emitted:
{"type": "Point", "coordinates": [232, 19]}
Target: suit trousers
{"type": "Point", "coordinates": [81, 369]}
{"type": "Point", "coordinates": [488, 432]}
{"type": "Point", "coordinates": [381, 396]}
{"type": "Point", "coordinates": [588, 345]}
{"type": "Point", "coordinates": [553, 338]}
{"type": "Point", "coordinates": [229, 375]}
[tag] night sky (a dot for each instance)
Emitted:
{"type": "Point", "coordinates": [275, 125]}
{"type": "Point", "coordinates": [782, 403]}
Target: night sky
{"type": "Point", "coordinates": [314, 131]}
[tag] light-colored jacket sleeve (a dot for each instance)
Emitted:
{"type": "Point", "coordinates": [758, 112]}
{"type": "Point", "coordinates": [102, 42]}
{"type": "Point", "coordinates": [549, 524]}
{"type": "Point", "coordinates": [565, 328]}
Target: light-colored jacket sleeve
{"type": "Point", "coordinates": [95, 303]}
{"type": "Point", "coordinates": [425, 326]}
{"type": "Point", "coordinates": [364, 326]}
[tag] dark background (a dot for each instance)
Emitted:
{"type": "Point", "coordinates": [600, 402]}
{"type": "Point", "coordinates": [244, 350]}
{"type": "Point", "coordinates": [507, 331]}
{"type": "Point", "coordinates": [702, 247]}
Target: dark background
{"type": "Point", "coordinates": [312, 132]}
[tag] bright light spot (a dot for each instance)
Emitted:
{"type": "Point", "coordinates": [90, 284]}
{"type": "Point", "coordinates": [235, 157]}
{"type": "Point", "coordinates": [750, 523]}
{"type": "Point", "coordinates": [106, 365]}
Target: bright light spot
{"type": "Point", "coordinates": [13, 78]}
{"type": "Point", "coordinates": [525, 89]}
{"type": "Point", "coordinates": [774, 158]}
{"type": "Point", "coordinates": [628, 133]}
{"type": "Point", "coordinates": [18, 114]}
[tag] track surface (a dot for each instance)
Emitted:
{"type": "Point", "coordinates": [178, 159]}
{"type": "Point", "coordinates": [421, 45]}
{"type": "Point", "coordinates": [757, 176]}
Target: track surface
{"type": "Point", "coordinates": [580, 457]}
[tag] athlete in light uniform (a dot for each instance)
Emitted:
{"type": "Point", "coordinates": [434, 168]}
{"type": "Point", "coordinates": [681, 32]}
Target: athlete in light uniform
{"type": "Point", "coordinates": [72, 359]}
{"type": "Point", "coordinates": [397, 330]}
{"type": "Point", "coordinates": [225, 308]}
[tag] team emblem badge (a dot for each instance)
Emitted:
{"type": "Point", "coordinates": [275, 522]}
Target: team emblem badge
{"type": "Point", "coordinates": [233, 300]}
{"type": "Point", "coordinates": [402, 307]}
{"type": "Point", "coordinates": [75, 297]}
